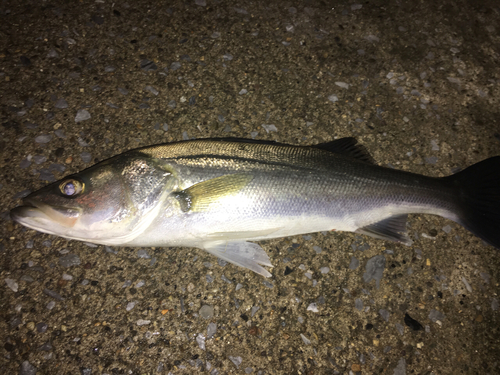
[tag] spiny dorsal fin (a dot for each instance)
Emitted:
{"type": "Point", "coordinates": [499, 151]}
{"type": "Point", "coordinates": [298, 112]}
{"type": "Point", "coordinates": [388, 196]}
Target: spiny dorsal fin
{"type": "Point", "coordinates": [349, 147]}
{"type": "Point", "coordinates": [199, 196]}
{"type": "Point", "coordinates": [392, 229]}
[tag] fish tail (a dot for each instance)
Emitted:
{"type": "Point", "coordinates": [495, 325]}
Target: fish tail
{"type": "Point", "coordinates": [478, 189]}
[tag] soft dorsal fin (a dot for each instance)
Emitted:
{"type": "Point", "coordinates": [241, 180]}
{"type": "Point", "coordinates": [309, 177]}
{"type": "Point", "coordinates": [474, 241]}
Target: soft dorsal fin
{"type": "Point", "coordinates": [392, 229]}
{"type": "Point", "coordinates": [199, 196]}
{"type": "Point", "coordinates": [349, 147]}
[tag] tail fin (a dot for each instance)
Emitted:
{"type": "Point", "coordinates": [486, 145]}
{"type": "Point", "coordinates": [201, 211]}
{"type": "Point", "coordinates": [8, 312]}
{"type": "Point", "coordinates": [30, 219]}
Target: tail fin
{"type": "Point", "coordinates": [479, 195]}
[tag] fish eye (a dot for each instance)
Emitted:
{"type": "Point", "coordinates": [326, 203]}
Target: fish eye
{"type": "Point", "coordinates": [71, 187]}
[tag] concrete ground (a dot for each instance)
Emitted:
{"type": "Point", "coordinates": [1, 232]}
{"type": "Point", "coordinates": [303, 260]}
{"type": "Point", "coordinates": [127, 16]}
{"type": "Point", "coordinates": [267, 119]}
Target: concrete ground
{"type": "Point", "coordinates": [417, 82]}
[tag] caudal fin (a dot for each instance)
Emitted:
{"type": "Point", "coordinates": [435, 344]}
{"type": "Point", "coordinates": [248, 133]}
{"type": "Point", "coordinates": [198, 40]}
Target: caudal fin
{"type": "Point", "coordinates": [479, 195]}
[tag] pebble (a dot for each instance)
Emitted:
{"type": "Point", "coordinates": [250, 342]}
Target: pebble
{"type": "Point", "coordinates": [69, 260]}
{"type": "Point", "coordinates": [305, 339]}
{"type": "Point", "coordinates": [143, 254]}
{"type": "Point", "coordinates": [333, 98]}
{"type": "Point", "coordinates": [61, 104]}
{"type": "Point", "coordinates": [211, 330]}
{"type": "Point", "coordinates": [324, 270]}
{"type": "Point", "coordinates": [238, 286]}
{"type": "Point", "coordinates": [269, 128]}
{"type": "Point", "coordinates": [200, 339]}
{"type": "Point", "coordinates": [227, 57]}
{"type": "Point", "coordinates": [60, 133]}
{"type": "Point", "coordinates": [143, 322]}
{"type": "Point", "coordinates": [494, 304]}
{"type": "Point", "coordinates": [175, 65]}
{"type": "Point", "coordinates": [342, 84]}
{"type": "Point", "coordinates": [268, 284]}
{"type": "Point", "coordinates": [400, 368]}
{"type": "Point", "coordinates": [254, 310]}
{"type": "Point", "coordinates": [384, 314]}
{"type": "Point", "coordinates": [122, 90]}
{"type": "Point", "coordinates": [313, 307]}
{"type": "Point", "coordinates": [12, 284]}
{"type": "Point", "coordinates": [467, 285]}
{"type": "Point", "coordinates": [358, 304]}
{"type": "Point", "coordinates": [130, 306]}
{"type": "Point", "coordinates": [236, 360]}
{"type": "Point", "coordinates": [67, 277]}
{"type": "Point", "coordinates": [86, 157]}
{"type": "Point", "coordinates": [206, 312]}
{"type": "Point", "coordinates": [43, 138]}
{"type": "Point", "coordinates": [82, 115]}
{"type": "Point", "coordinates": [42, 327]}
{"type": "Point", "coordinates": [317, 249]}
{"type": "Point", "coordinates": [354, 263]}
{"type": "Point", "coordinates": [148, 65]}
{"type": "Point", "coordinates": [374, 269]}
{"type": "Point", "coordinates": [152, 90]}
{"type": "Point", "coordinates": [27, 369]}
{"type": "Point", "coordinates": [53, 294]}
{"type": "Point", "coordinates": [25, 163]}
{"type": "Point", "coordinates": [436, 316]}
{"type": "Point", "coordinates": [243, 92]}
{"type": "Point", "coordinates": [51, 305]}
{"type": "Point", "coordinates": [39, 159]}
{"type": "Point", "coordinates": [400, 328]}
{"type": "Point", "coordinates": [140, 284]}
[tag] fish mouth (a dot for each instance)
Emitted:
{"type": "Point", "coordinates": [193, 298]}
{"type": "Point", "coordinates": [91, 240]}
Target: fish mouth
{"type": "Point", "coordinates": [41, 216]}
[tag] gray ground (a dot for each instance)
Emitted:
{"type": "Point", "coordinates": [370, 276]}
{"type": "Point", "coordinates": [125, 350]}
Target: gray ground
{"type": "Point", "coordinates": [416, 82]}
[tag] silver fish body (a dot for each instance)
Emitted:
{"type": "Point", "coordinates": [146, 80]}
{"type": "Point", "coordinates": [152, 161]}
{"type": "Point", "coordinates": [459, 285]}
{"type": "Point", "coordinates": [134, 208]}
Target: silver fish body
{"type": "Point", "coordinates": [218, 195]}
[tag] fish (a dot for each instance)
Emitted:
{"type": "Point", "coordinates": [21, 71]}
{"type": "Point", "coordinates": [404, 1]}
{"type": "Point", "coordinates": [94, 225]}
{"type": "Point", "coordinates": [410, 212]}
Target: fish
{"type": "Point", "coordinates": [223, 195]}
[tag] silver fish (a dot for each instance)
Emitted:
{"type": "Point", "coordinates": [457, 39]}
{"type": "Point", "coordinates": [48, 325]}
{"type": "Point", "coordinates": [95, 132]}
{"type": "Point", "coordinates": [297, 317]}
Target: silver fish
{"type": "Point", "coordinates": [217, 195]}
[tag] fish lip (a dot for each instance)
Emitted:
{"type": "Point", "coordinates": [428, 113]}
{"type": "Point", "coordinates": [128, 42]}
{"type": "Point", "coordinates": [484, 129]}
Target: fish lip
{"type": "Point", "coordinates": [32, 209]}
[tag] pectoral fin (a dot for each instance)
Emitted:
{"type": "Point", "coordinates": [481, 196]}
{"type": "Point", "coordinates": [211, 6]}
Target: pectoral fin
{"type": "Point", "coordinates": [244, 254]}
{"type": "Point", "coordinates": [201, 195]}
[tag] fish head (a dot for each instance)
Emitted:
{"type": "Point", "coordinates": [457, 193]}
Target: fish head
{"type": "Point", "coordinates": [109, 203]}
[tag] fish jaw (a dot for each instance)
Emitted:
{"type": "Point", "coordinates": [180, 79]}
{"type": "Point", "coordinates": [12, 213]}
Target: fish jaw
{"type": "Point", "coordinates": [45, 218]}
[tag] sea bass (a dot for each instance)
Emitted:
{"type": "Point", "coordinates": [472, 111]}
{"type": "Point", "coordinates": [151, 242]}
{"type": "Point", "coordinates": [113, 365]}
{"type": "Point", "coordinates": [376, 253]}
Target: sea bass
{"type": "Point", "coordinates": [217, 195]}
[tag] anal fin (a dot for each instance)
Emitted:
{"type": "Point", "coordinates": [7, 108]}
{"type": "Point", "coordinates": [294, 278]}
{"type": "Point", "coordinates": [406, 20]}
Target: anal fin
{"type": "Point", "coordinates": [391, 229]}
{"type": "Point", "coordinates": [241, 253]}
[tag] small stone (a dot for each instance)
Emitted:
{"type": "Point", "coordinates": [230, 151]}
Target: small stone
{"type": "Point", "coordinates": [354, 263]}
{"type": "Point", "coordinates": [358, 304]}
{"type": "Point", "coordinates": [148, 65]}
{"type": "Point", "coordinates": [41, 327]}
{"type": "Point", "coordinates": [269, 128]}
{"type": "Point", "coordinates": [356, 367]}
{"type": "Point", "coordinates": [305, 339]}
{"type": "Point", "coordinates": [61, 104]}
{"type": "Point", "coordinates": [175, 65]}
{"type": "Point", "coordinates": [312, 307]}
{"type": "Point", "coordinates": [374, 269]}
{"type": "Point", "coordinates": [69, 260]}
{"type": "Point", "coordinates": [436, 316]}
{"type": "Point", "coordinates": [317, 249]}
{"type": "Point", "coordinates": [206, 312]}
{"type": "Point", "coordinates": [211, 330]}
{"type": "Point", "coordinates": [143, 322]}
{"type": "Point", "coordinates": [143, 254]}
{"type": "Point", "coordinates": [324, 270]}
{"type": "Point", "coordinates": [342, 84]}
{"type": "Point", "coordinates": [333, 98]}
{"type": "Point", "coordinates": [12, 284]}
{"type": "Point", "coordinates": [200, 339]}
{"type": "Point", "coordinates": [152, 90]}
{"type": "Point", "coordinates": [400, 368]}
{"type": "Point", "coordinates": [43, 138]}
{"type": "Point", "coordinates": [236, 360]}
{"type": "Point", "coordinates": [27, 369]}
{"type": "Point", "coordinates": [384, 314]}
{"type": "Point", "coordinates": [82, 115]}
{"type": "Point", "coordinates": [130, 306]}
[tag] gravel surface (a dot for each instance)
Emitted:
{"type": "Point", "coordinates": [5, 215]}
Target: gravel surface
{"type": "Point", "coordinates": [418, 83]}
